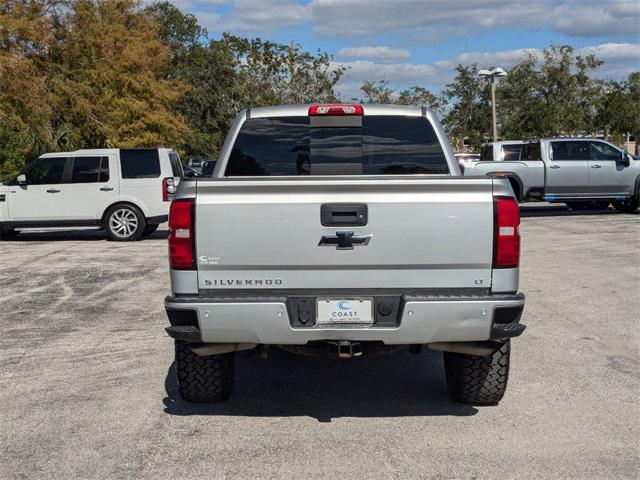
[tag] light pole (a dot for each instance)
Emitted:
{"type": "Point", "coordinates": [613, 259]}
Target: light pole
{"type": "Point", "coordinates": [493, 74]}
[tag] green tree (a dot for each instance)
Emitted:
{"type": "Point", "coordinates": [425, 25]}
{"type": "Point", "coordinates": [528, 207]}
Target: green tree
{"type": "Point", "coordinates": [620, 108]}
{"type": "Point", "coordinates": [470, 114]}
{"type": "Point", "coordinates": [232, 73]}
{"type": "Point", "coordinates": [417, 95]}
{"type": "Point", "coordinates": [569, 94]}
{"type": "Point", "coordinates": [209, 68]}
{"type": "Point", "coordinates": [274, 73]}
{"type": "Point", "coordinates": [377, 92]}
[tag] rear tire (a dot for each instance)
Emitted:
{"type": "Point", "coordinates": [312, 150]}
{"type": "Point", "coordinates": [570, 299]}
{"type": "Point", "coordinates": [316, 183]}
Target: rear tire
{"type": "Point", "coordinates": [204, 379]}
{"type": "Point", "coordinates": [478, 380]}
{"type": "Point", "coordinates": [124, 223]}
{"type": "Point", "coordinates": [630, 205]}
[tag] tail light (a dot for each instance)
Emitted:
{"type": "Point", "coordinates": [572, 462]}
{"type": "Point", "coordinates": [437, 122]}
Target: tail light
{"type": "Point", "coordinates": [168, 189]}
{"type": "Point", "coordinates": [335, 109]}
{"type": "Point", "coordinates": [507, 233]}
{"type": "Point", "coordinates": [181, 235]}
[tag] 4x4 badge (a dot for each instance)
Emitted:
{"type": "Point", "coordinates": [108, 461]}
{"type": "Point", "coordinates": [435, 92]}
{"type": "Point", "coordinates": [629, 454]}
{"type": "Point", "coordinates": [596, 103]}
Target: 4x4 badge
{"type": "Point", "coordinates": [344, 240]}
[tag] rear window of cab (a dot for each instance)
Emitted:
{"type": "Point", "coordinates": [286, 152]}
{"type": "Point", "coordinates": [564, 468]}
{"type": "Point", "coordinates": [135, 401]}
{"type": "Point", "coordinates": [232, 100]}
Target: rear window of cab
{"type": "Point", "coordinates": [369, 145]}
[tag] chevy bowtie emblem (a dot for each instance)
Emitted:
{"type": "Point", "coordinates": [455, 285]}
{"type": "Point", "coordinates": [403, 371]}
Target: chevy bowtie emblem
{"type": "Point", "coordinates": [344, 240]}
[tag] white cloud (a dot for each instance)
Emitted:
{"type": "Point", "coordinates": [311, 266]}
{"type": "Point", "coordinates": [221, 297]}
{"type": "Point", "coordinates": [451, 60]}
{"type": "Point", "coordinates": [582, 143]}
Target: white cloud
{"type": "Point", "coordinates": [434, 21]}
{"type": "Point", "coordinates": [382, 53]}
{"type": "Point", "coordinates": [424, 21]}
{"type": "Point", "coordinates": [595, 18]}
{"type": "Point", "coordinates": [256, 16]}
{"type": "Point", "coordinates": [355, 18]}
{"type": "Point", "coordinates": [620, 60]}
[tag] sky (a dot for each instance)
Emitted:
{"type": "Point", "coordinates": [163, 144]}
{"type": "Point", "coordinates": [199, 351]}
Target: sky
{"type": "Point", "coordinates": [419, 42]}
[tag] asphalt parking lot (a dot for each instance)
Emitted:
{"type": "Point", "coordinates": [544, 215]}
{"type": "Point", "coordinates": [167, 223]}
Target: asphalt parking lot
{"type": "Point", "coordinates": [87, 387]}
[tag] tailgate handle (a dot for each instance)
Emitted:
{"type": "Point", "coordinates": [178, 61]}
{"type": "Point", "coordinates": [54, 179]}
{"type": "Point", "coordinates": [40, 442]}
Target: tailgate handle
{"type": "Point", "coordinates": [343, 214]}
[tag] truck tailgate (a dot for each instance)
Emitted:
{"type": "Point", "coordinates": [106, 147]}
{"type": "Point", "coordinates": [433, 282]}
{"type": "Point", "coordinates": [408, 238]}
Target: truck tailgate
{"type": "Point", "coordinates": [265, 234]}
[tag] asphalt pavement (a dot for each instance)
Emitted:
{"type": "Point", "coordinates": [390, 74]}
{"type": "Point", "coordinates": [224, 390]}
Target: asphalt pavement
{"type": "Point", "coordinates": [87, 387]}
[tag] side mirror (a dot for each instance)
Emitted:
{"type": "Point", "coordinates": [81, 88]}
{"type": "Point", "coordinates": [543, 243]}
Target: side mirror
{"type": "Point", "coordinates": [21, 179]}
{"type": "Point", "coordinates": [624, 158]}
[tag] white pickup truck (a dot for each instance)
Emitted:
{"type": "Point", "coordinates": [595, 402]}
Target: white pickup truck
{"type": "Point", "coordinates": [581, 172]}
{"type": "Point", "coordinates": [343, 230]}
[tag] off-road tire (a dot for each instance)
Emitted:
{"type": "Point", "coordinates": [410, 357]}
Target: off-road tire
{"type": "Point", "coordinates": [629, 205]}
{"type": "Point", "coordinates": [150, 229]}
{"type": "Point", "coordinates": [203, 379]}
{"type": "Point", "coordinates": [132, 211]}
{"type": "Point", "coordinates": [478, 380]}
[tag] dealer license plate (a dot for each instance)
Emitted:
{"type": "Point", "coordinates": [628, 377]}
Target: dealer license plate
{"type": "Point", "coordinates": [358, 310]}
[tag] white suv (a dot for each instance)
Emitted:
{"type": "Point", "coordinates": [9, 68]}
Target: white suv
{"type": "Point", "coordinates": [126, 191]}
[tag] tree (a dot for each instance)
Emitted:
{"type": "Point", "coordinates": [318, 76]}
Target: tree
{"type": "Point", "coordinates": [569, 94]}
{"type": "Point", "coordinates": [110, 77]}
{"type": "Point", "coordinates": [377, 92]}
{"type": "Point", "coordinates": [540, 97]}
{"type": "Point", "coordinates": [26, 126]}
{"type": "Point", "coordinates": [470, 115]}
{"type": "Point", "coordinates": [620, 108]}
{"type": "Point", "coordinates": [421, 96]}
{"type": "Point", "coordinates": [209, 68]}
{"type": "Point", "coordinates": [232, 73]}
{"type": "Point", "coordinates": [275, 73]}
{"type": "Point", "coordinates": [82, 74]}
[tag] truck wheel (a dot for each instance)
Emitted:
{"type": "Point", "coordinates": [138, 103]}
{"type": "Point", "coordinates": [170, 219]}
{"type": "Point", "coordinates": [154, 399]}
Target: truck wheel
{"type": "Point", "coordinates": [478, 380]}
{"type": "Point", "coordinates": [630, 205]}
{"type": "Point", "coordinates": [203, 379]}
{"type": "Point", "coordinates": [150, 229]}
{"type": "Point", "coordinates": [124, 223]}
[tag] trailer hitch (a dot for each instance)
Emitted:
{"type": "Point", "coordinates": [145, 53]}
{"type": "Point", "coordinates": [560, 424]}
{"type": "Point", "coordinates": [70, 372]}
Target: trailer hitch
{"type": "Point", "coordinates": [347, 349]}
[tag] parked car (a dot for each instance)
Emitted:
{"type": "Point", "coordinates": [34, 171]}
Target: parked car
{"type": "Point", "coordinates": [125, 191]}
{"type": "Point", "coordinates": [581, 172]}
{"type": "Point", "coordinates": [343, 230]}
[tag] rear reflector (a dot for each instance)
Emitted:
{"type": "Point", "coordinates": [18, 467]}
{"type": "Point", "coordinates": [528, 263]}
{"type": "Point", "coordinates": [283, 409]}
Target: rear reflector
{"type": "Point", "coordinates": [335, 110]}
{"type": "Point", "coordinates": [181, 235]}
{"type": "Point", "coordinates": [507, 233]}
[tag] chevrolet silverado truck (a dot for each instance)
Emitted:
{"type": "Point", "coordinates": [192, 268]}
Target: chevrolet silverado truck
{"type": "Point", "coordinates": [343, 230]}
{"type": "Point", "coordinates": [580, 172]}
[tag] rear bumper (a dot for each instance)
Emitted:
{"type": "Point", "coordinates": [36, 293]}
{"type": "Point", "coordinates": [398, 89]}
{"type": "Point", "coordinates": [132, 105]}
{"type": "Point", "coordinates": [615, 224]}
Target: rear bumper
{"type": "Point", "coordinates": [421, 319]}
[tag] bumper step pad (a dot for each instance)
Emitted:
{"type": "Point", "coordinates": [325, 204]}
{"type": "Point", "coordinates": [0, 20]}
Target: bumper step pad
{"type": "Point", "coordinates": [186, 333]}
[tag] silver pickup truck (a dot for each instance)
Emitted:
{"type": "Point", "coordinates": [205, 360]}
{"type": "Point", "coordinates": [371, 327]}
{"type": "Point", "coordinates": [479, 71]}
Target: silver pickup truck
{"type": "Point", "coordinates": [343, 230]}
{"type": "Point", "coordinates": [581, 172]}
